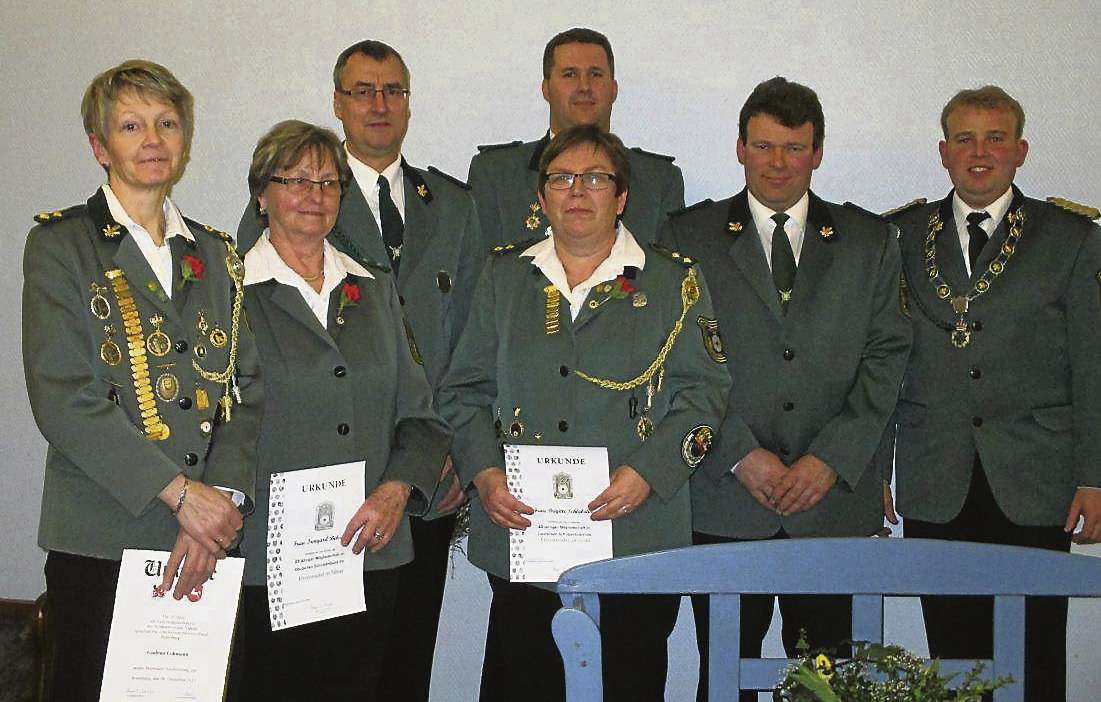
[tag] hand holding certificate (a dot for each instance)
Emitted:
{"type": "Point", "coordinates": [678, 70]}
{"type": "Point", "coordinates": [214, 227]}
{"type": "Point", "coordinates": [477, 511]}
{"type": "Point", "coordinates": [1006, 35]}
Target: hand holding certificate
{"type": "Point", "coordinates": [161, 648]}
{"type": "Point", "coordinates": [559, 482]}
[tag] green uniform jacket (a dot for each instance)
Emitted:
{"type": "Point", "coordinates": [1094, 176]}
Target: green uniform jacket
{"type": "Point", "coordinates": [821, 379]}
{"type": "Point", "coordinates": [440, 258]}
{"type": "Point", "coordinates": [504, 179]}
{"type": "Point", "coordinates": [506, 360]}
{"type": "Point", "coordinates": [102, 475]}
{"type": "Point", "coordinates": [1026, 392]}
{"type": "Point", "coordinates": [347, 392]}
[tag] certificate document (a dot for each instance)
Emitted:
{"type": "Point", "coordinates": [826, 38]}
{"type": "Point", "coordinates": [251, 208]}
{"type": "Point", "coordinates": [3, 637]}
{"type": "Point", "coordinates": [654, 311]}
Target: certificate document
{"type": "Point", "coordinates": [312, 577]}
{"type": "Point", "coordinates": [166, 649]}
{"type": "Point", "coordinates": [558, 482]}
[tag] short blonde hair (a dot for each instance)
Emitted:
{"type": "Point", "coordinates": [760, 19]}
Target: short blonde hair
{"type": "Point", "coordinates": [284, 145]}
{"type": "Point", "coordinates": [144, 78]}
{"type": "Point", "coordinates": [988, 97]}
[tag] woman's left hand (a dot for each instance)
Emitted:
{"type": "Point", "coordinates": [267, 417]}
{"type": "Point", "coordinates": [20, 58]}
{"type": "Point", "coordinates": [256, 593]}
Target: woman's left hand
{"type": "Point", "coordinates": [378, 517]}
{"type": "Point", "coordinates": [627, 491]}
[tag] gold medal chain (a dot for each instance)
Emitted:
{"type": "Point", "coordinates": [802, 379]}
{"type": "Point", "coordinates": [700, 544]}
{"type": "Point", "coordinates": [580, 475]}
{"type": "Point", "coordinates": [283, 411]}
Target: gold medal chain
{"type": "Point", "coordinates": [689, 295]}
{"type": "Point", "coordinates": [154, 427]}
{"type": "Point", "coordinates": [225, 377]}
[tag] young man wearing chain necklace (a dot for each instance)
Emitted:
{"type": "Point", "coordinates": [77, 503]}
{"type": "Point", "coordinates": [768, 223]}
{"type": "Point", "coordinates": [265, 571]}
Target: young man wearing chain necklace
{"type": "Point", "coordinates": [996, 426]}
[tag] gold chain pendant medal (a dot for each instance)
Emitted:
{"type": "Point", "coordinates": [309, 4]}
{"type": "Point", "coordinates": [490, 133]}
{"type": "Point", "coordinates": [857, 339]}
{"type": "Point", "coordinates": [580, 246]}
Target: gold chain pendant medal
{"type": "Point", "coordinates": [645, 426]}
{"type": "Point", "coordinates": [225, 377]}
{"type": "Point", "coordinates": [99, 305]}
{"type": "Point", "coordinates": [158, 342]}
{"type": "Point", "coordinates": [109, 351]}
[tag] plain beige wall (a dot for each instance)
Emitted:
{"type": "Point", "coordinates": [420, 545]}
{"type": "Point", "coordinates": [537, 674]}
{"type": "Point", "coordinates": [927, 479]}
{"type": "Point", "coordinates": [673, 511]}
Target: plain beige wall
{"type": "Point", "coordinates": [882, 69]}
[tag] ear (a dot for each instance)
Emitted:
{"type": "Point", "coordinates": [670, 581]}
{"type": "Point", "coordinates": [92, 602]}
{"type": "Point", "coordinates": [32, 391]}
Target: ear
{"type": "Point", "coordinates": [100, 151]}
{"type": "Point", "coordinates": [546, 90]}
{"type": "Point", "coordinates": [263, 201]}
{"type": "Point", "coordinates": [816, 159]}
{"type": "Point", "coordinates": [542, 202]}
{"type": "Point", "coordinates": [740, 148]}
{"type": "Point", "coordinates": [1022, 151]}
{"type": "Point", "coordinates": [615, 90]}
{"type": "Point", "coordinates": [621, 202]}
{"type": "Point", "coordinates": [942, 147]}
{"type": "Point", "coordinates": [336, 105]}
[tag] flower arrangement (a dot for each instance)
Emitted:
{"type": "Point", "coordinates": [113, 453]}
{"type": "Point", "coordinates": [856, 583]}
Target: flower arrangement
{"type": "Point", "coordinates": [877, 673]}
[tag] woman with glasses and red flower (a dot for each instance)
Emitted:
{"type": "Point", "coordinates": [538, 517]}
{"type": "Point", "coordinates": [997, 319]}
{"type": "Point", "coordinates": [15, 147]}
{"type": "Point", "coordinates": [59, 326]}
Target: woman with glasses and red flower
{"type": "Point", "coordinates": [344, 385]}
{"type": "Point", "coordinates": [141, 374]}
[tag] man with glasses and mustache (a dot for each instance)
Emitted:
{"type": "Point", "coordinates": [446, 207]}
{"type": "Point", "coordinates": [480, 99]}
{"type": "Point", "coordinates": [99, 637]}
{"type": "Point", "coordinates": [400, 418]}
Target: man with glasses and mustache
{"type": "Point", "coordinates": [579, 86]}
{"type": "Point", "coordinates": [423, 223]}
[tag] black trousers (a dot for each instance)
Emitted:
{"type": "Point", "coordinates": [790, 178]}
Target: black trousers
{"type": "Point", "coordinates": [525, 662]}
{"type": "Point", "coordinates": [337, 659]}
{"type": "Point", "coordinates": [80, 594]}
{"type": "Point", "coordinates": [827, 620]}
{"type": "Point", "coordinates": [407, 673]}
{"type": "Point", "coordinates": [962, 627]}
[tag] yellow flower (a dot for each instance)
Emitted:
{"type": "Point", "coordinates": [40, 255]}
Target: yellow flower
{"type": "Point", "coordinates": [824, 667]}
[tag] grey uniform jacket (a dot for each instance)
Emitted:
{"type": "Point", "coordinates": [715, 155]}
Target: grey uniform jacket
{"type": "Point", "coordinates": [506, 361]}
{"type": "Point", "coordinates": [343, 393]}
{"type": "Point", "coordinates": [440, 258]}
{"type": "Point", "coordinates": [504, 179]}
{"type": "Point", "coordinates": [102, 474]}
{"type": "Point", "coordinates": [1026, 392]}
{"type": "Point", "coordinates": [821, 379]}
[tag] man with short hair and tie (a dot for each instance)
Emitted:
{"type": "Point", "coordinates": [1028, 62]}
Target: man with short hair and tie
{"type": "Point", "coordinates": [423, 224]}
{"type": "Point", "coordinates": [997, 424]}
{"type": "Point", "coordinates": [579, 86]}
{"type": "Point", "coordinates": [806, 293]}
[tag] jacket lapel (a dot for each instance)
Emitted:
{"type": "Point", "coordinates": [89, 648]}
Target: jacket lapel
{"type": "Point", "coordinates": [819, 237]}
{"type": "Point", "coordinates": [746, 252]}
{"type": "Point", "coordinates": [358, 226]}
{"type": "Point", "coordinates": [949, 254]}
{"type": "Point", "coordinates": [990, 251]}
{"type": "Point", "coordinates": [420, 220]}
{"type": "Point", "coordinates": [181, 290]}
{"type": "Point", "coordinates": [290, 301]}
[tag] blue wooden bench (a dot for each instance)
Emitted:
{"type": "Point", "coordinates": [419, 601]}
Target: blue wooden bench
{"type": "Point", "coordinates": [868, 569]}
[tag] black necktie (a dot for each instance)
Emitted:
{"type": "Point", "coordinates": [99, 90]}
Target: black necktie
{"type": "Point", "coordinates": [783, 261]}
{"type": "Point", "coordinates": [393, 228]}
{"type": "Point", "coordinates": [978, 237]}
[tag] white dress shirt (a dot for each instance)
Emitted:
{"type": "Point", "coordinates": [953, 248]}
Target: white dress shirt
{"type": "Point", "coordinates": [158, 257]}
{"type": "Point", "coordinates": [264, 263]}
{"type": "Point", "coordinates": [625, 252]}
{"type": "Point", "coordinates": [961, 209]}
{"type": "Point", "coordinates": [795, 227]}
{"type": "Point", "coordinates": [367, 179]}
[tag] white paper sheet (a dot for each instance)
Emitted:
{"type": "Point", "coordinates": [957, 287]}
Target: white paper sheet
{"type": "Point", "coordinates": [558, 482]}
{"type": "Point", "coordinates": [311, 577]}
{"type": "Point", "coordinates": [166, 649]}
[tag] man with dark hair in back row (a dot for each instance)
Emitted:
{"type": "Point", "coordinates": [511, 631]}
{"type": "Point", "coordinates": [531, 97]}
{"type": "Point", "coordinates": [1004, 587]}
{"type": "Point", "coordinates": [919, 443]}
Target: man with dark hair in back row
{"type": "Point", "coordinates": [806, 292]}
{"type": "Point", "coordinates": [997, 424]}
{"type": "Point", "coordinates": [579, 86]}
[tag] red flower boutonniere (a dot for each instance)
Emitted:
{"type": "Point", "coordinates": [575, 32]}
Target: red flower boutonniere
{"type": "Point", "coordinates": [349, 297]}
{"type": "Point", "coordinates": [191, 268]}
{"type": "Point", "coordinates": [622, 287]}
{"type": "Point", "coordinates": [614, 290]}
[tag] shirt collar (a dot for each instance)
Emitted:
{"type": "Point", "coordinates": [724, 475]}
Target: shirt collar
{"type": "Point", "coordinates": [996, 210]}
{"type": "Point", "coordinates": [367, 177]}
{"type": "Point", "coordinates": [263, 263]}
{"type": "Point", "coordinates": [173, 221]}
{"type": "Point", "coordinates": [762, 215]}
{"type": "Point", "coordinates": [625, 252]}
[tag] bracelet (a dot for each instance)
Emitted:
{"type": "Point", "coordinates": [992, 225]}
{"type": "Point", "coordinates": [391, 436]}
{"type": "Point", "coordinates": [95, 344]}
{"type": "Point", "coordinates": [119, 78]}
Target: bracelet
{"type": "Point", "coordinates": [182, 497]}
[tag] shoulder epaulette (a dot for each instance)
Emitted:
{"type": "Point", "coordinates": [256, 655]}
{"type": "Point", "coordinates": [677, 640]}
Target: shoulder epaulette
{"type": "Point", "coordinates": [50, 216]}
{"type": "Point", "coordinates": [686, 210]}
{"type": "Point", "coordinates": [1086, 211]}
{"type": "Point", "coordinates": [858, 208]}
{"type": "Point", "coordinates": [450, 178]}
{"type": "Point", "coordinates": [515, 247]}
{"type": "Point", "coordinates": [672, 254]}
{"type": "Point", "coordinates": [894, 212]}
{"type": "Point", "coordinates": [663, 157]}
{"type": "Point", "coordinates": [494, 147]}
{"type": "Point", "coordinates": [209, 229]}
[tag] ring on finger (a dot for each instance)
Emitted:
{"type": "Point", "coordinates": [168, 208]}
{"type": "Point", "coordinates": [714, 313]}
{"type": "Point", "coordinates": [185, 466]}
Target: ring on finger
{"type": "Point", "coordinates": [625, 509]}
{"type": "Point", "coordinates": [379, 535]}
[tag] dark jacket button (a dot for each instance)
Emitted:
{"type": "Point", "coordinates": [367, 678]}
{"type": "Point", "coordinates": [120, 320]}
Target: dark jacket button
{"type": "Point", "coordinates": [789, 406]}
{"type": "Point", "coordinates": [976, 325]}
{"type": "Point", "coordinates": [184, 403]}
{"type": "Point", "coordinates": [975, 373]}
{"type": "Point", "coordinates": [563, 425]}
{"type": "Point", "coordinates": [181, 346]}
{"type": "Point", "coordinates": [788, 354]}
{"type": "Point", "coordinates": [339, 371]}
{"type": "Point", "coordinates": [784, 451]}
{"type": "Point", "coordinates": [342, 428]}
{"type": "Point", "coordinates": [191, 459]}
{"type": "Point", "coordinates": [564, 371]}
{"type": "Point", "coordinates": [977, 421]}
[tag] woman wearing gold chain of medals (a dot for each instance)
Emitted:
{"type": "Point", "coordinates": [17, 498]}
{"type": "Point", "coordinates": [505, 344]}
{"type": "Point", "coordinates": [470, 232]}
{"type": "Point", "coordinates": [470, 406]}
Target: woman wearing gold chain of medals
{"type": "Point", "coordinates": [140, 372]}
{"type": "Point", "coordinates": [343, 386]}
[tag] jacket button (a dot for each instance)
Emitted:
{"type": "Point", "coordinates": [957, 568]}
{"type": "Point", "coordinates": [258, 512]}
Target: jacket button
{"type": "Point", "coordinates": [401, 300]}
{"type": "Point", "coordinates": [975, 373]}
{"type": "Point", "coordinates": [181, 346]}
{"type": "Point", "coordinates": [976, 325]}
{"type": "Point", "coordinates": [342, 429]}
{"type": "Point", "coordinates": [784, 451]}
{"type": "Point", "coordinates": [184, 403]}
{"type": "Point", "coordinates": [788, 354]}
{"type": "Point", "coordinates": [563, 425]}
{"type": "Point", "coordinates": [789, 406]}
{"type": "Point", "coordinates": [977, 421]}
{"type": "Point", "coordinates": [564, 371]}
{"type": "Point", "coordinates": [191, 459]}
{"type": "Point", "coordinates": [339, 371]}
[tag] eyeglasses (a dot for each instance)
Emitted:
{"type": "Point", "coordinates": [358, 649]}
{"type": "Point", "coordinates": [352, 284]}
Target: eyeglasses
{"type": "Point", "coordinates": [593, 180]}
{"type": "Point", "coordinates": [302, 186]}
{"type": "Point", "coordinates": [367, 92]}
